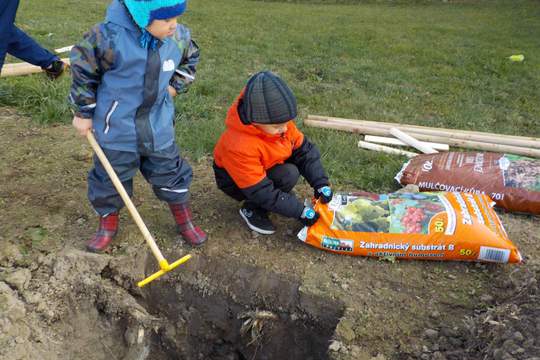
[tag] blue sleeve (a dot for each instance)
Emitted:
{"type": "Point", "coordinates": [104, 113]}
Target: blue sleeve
{"type": "Point", "coordinates": [90, 59]}
{"type": "Point", "coordinates": [185, 72]}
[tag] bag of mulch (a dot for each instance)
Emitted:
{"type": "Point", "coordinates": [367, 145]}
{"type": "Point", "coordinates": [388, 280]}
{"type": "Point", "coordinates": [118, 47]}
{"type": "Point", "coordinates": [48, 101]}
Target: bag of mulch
{"type": "Point", "coordinates": [512, 181]}
{"type": "Point", "coordinates": [427, 226]}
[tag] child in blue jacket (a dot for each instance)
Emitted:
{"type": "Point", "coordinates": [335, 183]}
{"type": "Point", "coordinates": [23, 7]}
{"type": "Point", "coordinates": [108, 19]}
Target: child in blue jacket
{"type": "Point", "coordinates": [126, 72]}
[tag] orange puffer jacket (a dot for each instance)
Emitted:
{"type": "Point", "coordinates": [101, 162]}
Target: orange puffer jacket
{"type": "Point", "coordinates": [246, 152]}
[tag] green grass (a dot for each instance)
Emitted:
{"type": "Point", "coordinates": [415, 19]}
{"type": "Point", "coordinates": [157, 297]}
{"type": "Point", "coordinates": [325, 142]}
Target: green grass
{"type": "Point", "coordinates": [435, 64]}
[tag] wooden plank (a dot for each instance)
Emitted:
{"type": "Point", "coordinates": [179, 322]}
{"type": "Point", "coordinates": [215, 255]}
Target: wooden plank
{"type": "Point", "coordinates": [17, 69]}
{"type": "Point", "coordinates": [410, 140]}
{"type": "Point", "coordinates": [418, 127]}
{"type": "Point", "coordinates": [385, 149]}
{"type": "Point", "coordinates": [501, 139]}
{"type": "Point", "coordinates": [23, 69]}
{"type": "Point", "coordinates": [397, 142]}
{"type": "Point", "coordinates": [363, 129]}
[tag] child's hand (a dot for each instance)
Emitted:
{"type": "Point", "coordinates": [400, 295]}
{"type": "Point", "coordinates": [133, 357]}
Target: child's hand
{"type": "Point", "coordinates": [324, 193]}
{"type": "Point", "coordinates": [172, 91]}
{"type": "Point", "coordinates": [82, 125]}
{"type": "Point", "coordinates": [309, 216]}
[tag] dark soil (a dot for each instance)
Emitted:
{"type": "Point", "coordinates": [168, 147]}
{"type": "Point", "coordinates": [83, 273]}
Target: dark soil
{"type": "Point", "coordinates": [242, 296]}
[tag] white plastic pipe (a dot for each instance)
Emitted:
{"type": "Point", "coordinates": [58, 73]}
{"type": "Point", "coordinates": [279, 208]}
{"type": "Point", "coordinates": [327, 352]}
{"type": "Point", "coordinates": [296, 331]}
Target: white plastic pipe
{"type": "Point", "coordinates": [409, 140]}
{"type": "Point", "coordinates": [385, 149]}
{"type": "Point", "coordinates": [392, 141]}
{"type": "Point", "coordinates": [63, 49]}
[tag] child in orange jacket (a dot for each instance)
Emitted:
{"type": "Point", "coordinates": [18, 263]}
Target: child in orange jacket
{"type": "Point", "coordinates": [261, 154]}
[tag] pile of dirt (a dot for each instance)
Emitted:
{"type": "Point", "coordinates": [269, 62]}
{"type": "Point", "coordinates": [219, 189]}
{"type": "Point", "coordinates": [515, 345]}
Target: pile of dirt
{"type": "Point", "coordinates": [74, 304]}
{"type": "Point", "coordinates": [508, 329]}
{"type": "Point", "coordinates": [61, 306]}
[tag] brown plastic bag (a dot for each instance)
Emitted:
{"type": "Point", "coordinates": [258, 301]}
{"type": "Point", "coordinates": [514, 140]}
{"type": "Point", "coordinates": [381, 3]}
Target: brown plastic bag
{"type": "Point", "coordinates": [512, 181]}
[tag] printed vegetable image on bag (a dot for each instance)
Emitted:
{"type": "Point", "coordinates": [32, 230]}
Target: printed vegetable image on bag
{"type": "Point", "coordinates": [431, 226]}
{"type": "Point", "coordinates": [512, 181]}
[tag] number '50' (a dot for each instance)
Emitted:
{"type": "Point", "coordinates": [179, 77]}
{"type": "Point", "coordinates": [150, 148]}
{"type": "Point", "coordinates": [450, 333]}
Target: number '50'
{"type": "Point", "coordinates": [439, 226]}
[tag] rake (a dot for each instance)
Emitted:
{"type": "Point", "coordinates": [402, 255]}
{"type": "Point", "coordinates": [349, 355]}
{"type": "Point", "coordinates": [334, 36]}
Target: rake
{"type": "Point", "coordinates": [164, 265]}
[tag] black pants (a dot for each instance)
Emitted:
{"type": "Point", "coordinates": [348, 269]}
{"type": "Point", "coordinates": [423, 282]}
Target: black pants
{"type": "Point", "coordinates": [284, 176]}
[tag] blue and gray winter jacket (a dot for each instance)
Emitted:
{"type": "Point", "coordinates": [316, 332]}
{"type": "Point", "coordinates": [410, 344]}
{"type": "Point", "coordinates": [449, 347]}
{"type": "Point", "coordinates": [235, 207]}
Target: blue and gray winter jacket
{"type": "Point", "coordinates": [122, 87]}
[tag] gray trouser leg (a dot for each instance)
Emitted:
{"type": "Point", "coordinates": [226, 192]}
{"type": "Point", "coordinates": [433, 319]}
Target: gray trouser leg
{"type": "Point", "coordinates": [169, 174]}
{"type": "Point", "coordinates": [101, 191]}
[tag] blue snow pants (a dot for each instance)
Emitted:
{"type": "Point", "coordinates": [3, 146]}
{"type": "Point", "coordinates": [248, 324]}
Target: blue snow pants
{"type": "Point", "coordinates": [169, 175]}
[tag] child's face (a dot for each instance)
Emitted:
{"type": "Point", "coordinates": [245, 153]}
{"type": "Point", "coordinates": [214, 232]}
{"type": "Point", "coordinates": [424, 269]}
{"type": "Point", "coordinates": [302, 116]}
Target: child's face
{"type": "Point", "coordinates": [272, 129]}
{"type": "Point", "coordinates": [162, 29]}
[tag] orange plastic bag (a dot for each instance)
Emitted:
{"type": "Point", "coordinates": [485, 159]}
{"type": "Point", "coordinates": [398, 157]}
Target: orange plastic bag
{"type": "Point", "coordinates": [428, 226]}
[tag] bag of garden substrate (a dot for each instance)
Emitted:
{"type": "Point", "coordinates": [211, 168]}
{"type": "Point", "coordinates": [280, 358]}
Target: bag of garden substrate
{"type": "Point", "coordinates": [512, 181]}
{"type": "Point", "coordinates": [427, 226]}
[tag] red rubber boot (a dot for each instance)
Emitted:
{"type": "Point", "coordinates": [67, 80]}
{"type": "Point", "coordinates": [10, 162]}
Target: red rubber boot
{"type": "Point", "coordinates": [108, 227]}
{"type": "Point", "coordinates": [192, 234]}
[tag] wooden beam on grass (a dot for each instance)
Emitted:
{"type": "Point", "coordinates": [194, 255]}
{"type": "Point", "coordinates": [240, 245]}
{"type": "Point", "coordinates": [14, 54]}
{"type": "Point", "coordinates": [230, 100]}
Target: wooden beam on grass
{"type": "Point", "coordinates": [23, 69]}
{"type": "Point", "coordinates": [364, 129]}
{"type": "Point", "coordinates": [492, 138]}
{"type": "Point", "coordinates": [393, 141]}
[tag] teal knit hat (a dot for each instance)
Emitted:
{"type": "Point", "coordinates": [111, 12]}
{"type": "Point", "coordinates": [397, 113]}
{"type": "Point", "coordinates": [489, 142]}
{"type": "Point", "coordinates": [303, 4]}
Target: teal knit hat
{"type": "Point", "coordinates": [144, 12]}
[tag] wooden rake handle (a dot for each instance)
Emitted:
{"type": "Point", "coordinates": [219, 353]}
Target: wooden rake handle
{"type": "Point", "coordinates": [129, 204]}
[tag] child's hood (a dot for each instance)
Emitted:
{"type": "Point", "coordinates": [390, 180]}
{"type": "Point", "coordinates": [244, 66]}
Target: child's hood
{"type": "Point", "coordinates": [118, 14]}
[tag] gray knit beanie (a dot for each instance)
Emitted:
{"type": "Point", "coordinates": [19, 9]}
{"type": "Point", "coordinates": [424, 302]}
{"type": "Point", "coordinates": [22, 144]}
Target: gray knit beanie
{"type": "Point", "coordinates": [267, 100]}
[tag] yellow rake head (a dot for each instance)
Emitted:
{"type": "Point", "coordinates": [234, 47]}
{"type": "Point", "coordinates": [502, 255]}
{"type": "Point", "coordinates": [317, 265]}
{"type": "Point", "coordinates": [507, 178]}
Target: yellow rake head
{"type": "Point", "coordinates": [165, 268]}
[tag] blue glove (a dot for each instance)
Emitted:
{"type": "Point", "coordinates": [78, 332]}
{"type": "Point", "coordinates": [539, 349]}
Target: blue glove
{"type": "Point", "coordinates": [309, 216]}
{"type": "Point", "coordinates": [324, 193]}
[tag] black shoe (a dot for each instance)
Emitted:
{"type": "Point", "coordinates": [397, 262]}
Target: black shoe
{"type": "Point", "coordinates": [56, 69]}
{"type": "Point", "coordinates": [257, 220]}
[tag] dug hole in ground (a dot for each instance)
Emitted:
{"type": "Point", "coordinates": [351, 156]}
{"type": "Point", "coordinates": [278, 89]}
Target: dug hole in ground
{"type": "Point", "coordinates": [242, 296]}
